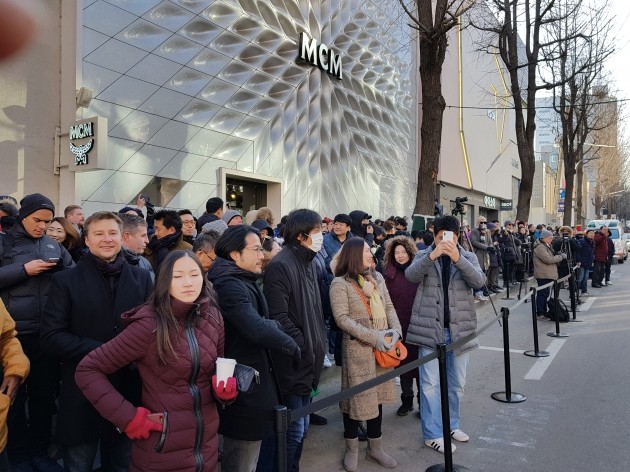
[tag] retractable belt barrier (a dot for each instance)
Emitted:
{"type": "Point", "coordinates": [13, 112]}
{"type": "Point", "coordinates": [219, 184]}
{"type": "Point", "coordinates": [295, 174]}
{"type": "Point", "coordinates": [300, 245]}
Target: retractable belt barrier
{"type": "Point", "coordinates": [283, 416]}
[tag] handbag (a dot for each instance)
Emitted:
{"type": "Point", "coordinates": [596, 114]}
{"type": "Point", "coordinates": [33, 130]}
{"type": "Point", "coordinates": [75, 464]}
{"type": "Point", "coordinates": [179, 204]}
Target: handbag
{"type": "Point", "coordinates": [393, 357]}
{"type": "Point", "coordinates": [245, 377]}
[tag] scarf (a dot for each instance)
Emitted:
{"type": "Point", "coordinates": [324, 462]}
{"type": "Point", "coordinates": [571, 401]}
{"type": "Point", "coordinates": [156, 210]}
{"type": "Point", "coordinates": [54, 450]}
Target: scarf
{"type": "Point", "coordinates": [160, 246]}
{"type": "Point", "coordinates": [108, 269]}
{"type": "Point", "coordinates": [401, 267]}
{"type": "Point", "coordinates": [379, 317]}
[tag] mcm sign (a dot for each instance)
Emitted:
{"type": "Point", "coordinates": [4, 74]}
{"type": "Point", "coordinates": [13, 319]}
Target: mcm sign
{"type": "Point", "coordinates": [320, 55]}
{"type": "Point", "coordinates": [80, 152]}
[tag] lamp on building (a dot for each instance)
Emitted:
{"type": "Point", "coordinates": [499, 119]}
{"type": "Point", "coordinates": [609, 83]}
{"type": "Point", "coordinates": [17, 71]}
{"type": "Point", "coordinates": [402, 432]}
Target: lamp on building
{"type": "Point", "coordinates": [83, 97]}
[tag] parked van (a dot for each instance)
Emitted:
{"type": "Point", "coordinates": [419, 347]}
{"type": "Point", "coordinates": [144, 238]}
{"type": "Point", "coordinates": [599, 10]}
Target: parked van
{"type": "Point", "coordinates": [617, 234]}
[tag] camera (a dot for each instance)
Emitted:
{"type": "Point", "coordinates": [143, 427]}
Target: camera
{"type": "Point", "coordinates": [459, 207]}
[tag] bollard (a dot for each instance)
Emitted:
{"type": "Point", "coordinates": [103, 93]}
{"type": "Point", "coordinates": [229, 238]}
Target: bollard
{"type": "Point", "coordinates": [508, 396]}
{"type": "Point", "coordinates": [280, 426]}
{"type": "Point", "coordinates": [557, 334]}
{"type": "Point", "coordinates": [446, 417]}
{"type": "Point", "coordinates": [535, 352]}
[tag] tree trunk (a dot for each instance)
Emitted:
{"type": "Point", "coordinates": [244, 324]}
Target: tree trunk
{"type": "Point", "coordinates": [569, 174]}
{"type": "Point", "coordinates": [579, 180]}
{"type": "Point", "coordinates": [433, 106]}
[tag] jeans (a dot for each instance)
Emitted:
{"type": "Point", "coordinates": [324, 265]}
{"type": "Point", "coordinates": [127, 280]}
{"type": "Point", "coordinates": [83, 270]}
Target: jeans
{"type": "Point", "coordinates": [582, 280]}
{"type": "Point", "coordinates": [115, 455]}
{"type": "Point", "coordinates": [239, 455]}
{"type": "Point", "coordinates": [31, 435]}
{"type": "Point", "coordinates": [542, 296]}
{"type": "Point", "coordinates": [430, 402]}
{"type": "Point", "coordinates": [296, 431]}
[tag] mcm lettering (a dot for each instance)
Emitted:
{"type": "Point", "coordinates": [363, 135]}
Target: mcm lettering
{"type": "Point", "coordinates": [84, 130]}
{"type": "Point", "coordinates": [320, 56]}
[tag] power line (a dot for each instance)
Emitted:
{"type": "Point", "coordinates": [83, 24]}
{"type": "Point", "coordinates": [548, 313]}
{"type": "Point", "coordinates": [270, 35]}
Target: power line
{"type": "Point", "coordinates": [534, 107]}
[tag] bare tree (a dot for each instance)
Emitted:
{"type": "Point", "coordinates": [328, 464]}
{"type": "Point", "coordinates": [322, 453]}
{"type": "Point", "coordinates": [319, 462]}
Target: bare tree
{"type": "Point", "coordinates": [433, 19]}
{"type": "Point", "coordinates": [577, 48]}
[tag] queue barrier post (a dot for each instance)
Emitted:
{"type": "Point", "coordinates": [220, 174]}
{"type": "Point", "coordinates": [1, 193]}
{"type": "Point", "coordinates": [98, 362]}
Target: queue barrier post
{"type": "Point", "coordinates": [507, 396]}
{"type": "Point", "coordinates": [536, 352]}
{"type": "Point", "coordinates": [280, 426]}
{"type": "Point", "coordinates": [556, 295]}
{"type": "Point", "coordinates": [446, 416]}
{"type": "Point", "coordinates": [575, 298]}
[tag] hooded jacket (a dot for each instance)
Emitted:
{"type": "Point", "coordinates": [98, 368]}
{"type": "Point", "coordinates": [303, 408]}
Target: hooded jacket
{"type": "Point", "coordinates": [358, 229]}
{"type": "Point", "coordinates": [25, 296]}
{"type": "Point", "coordinates": [292, 292]}
{"type": "Point", "coordinates": [181, 389]}
{"type": "Point", "coordinates": [250, 335]}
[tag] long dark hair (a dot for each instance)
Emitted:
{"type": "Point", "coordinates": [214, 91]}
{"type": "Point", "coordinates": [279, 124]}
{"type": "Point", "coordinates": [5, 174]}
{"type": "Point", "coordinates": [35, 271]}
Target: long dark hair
{"type": "Point", "coordinates": [73, 238]}
{"type": "Point", "coordinates": [350, 260]}
{"type": "Point", "coordinates": [167, 326]}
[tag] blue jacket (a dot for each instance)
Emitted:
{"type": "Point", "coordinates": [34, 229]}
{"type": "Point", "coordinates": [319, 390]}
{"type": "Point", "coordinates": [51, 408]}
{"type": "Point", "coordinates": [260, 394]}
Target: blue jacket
{"type": "Point", "coordinates": [586, 254]}
{"type": "Point", "coordinates": [332, 246]}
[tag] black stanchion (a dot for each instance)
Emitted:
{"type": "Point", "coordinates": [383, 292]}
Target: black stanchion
{"type": "Point", "coordinates": [280, 426]}
{"type": "Point", "coordinates": [446, 417]}
{"type": "Point", "coordinates": [508, 396]}
{"type": "Point", "coordinates": [536, 352]}
{"type": "Point", "coordinates": [575, 298]}
{"type": "Point", "coordinates": [556, 294]}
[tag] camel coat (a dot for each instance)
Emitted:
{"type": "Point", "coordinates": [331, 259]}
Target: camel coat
{"type": "Point", "coordinates": [359, 339]}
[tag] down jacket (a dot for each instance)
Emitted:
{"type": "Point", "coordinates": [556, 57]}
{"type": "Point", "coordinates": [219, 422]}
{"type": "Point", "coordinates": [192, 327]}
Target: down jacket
{"type": "Point", "coordinates": [181, 389]}
{"type": "Point", "coordinates": [359, 339]}
{"type": "Point", "coordinates": [427, 319]}
{"type": "Point", "coordinates": [545, 261]}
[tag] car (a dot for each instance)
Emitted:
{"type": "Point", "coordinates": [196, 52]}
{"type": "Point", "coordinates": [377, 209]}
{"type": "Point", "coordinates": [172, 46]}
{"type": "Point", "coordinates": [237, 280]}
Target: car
{"type": "Point", "coordinates": [617, 234]}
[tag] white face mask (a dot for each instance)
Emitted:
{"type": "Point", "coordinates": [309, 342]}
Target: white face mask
{"type": "Point", "coordinates": [317, 242]}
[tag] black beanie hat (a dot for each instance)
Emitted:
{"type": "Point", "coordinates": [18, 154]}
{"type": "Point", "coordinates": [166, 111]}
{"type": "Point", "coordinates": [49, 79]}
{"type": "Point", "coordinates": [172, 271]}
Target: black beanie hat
{"type": "Point", "coordinates": [32, 203]}
{"type": "Point", "coordinates": [448, 222]}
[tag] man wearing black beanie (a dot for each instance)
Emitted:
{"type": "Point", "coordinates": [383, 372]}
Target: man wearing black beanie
{"type": "Point", "coordinates": [28, 260]}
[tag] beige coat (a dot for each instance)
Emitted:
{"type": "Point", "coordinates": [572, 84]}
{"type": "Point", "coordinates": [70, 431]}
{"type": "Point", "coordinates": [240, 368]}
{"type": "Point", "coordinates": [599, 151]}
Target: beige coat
{"type": "Point", "coordinates": [359, 339]}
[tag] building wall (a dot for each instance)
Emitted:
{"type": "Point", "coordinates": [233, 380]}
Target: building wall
{"type": "Point", "coordinates": [190, 88]}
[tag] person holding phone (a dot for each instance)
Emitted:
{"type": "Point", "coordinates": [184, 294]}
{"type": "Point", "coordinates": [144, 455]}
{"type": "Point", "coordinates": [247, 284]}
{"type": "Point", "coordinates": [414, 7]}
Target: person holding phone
{"type": "Point", "coordinates": [174, 340]}
{"type": "Point", "coordinates": [443, 312]}
{"type": "Point", "coordinates": [365, 314]}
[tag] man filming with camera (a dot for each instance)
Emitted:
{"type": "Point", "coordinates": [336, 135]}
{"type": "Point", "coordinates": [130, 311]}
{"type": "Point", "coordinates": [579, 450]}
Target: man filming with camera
{"type": "Point", "coordinates": [545, 269]}
{"type": "Point", "coordinates": [565, 243]}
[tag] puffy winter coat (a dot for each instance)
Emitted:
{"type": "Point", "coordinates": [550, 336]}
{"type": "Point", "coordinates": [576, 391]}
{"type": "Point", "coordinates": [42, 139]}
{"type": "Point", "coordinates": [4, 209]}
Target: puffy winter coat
{"type": "Point", "coordinates": [480, 240]}
{"type": "Point", "coordinates": [359, 340]}
{"type": "Point", "coordinates": [427, 319]}
{"type": "Point", "coordinates": [586, 254]}
{"type": "Point", "coordinates": [181, 389]}
{"type": "Point", "coordinates": [249, 336]}
{"type": "Point", "coordinates": [24, 296]}
{"type": "Point", "coordinates": [545, 261]}
{"type": "Point", "coordinates": [601, 247]}
{"type": "Point", "coordinates": [292, 292]}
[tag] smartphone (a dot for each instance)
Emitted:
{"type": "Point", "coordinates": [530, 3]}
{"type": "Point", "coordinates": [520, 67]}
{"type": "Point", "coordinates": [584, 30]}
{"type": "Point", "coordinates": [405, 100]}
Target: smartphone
{"type": "Point", "coordinates": [156, 417]}
{"type": "Point", "coordinates": [448, 236]}
{"type": "Point", "coordinates": [52, 259]}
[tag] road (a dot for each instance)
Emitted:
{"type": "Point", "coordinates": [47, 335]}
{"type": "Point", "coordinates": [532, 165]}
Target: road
{"type": "Point", "coordinates": [575, 418]}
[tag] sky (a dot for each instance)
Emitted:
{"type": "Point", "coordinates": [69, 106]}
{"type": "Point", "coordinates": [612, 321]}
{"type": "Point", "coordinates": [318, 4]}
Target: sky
{"type": "Point", "coordinates": [619, 62]}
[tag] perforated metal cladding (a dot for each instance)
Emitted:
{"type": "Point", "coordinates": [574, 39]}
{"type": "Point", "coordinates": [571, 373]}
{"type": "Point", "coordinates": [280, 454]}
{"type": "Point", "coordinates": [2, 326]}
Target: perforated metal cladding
{"type": "Point", "coordinates": [216, 84]}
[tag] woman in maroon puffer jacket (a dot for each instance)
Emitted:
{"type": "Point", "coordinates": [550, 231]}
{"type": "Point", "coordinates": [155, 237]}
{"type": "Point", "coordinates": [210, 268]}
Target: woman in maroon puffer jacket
{"type": "Point", "coordinates": [174, 339]}
{"type": "Point", "coordinates": [399, 252]}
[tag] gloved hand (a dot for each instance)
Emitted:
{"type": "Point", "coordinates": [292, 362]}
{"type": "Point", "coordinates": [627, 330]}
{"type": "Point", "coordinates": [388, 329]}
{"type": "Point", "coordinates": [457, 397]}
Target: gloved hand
{"type": "Point", "coordinates": [297, 357]}
{"type": "Point", "coordinates": [492, 249]}
{"type": "Point", "coordinates": [225, 391]}
{"type": "Point", "coordinates": [384, 341]}
{"type": "Point", "coordinates": [563, 255]}
{"type": "Point", "coordinates": [140, 426]}
{"type": "Point", "coordinates": [396, 337]}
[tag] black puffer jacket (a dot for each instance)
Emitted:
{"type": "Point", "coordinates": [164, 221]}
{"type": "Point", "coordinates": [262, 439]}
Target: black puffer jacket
{"type": "Point", "coordinates": [358, 229]}
{"type": "Point", "coordinates": [249, 337]}
{"type": "Point", "coordinates": [24, 296]}
{"type": "Point", "coordinates": [292, 292]}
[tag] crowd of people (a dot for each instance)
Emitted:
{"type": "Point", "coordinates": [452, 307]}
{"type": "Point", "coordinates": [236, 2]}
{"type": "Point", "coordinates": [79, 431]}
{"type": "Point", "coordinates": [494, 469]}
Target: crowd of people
{"type": "Point", "coordinates": [114, 323]}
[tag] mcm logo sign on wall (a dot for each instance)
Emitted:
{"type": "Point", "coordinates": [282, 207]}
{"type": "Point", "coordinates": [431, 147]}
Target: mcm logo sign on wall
{"type": "Point", "coordinates": [320, 55]}
{"type": "Point", "coordinates": [88, 144]}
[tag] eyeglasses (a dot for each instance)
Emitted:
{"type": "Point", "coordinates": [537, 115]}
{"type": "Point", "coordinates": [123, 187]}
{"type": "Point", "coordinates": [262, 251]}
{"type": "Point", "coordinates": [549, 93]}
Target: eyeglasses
{"type": "Point", "coordinates": [212, 259]}
{"type": "Point", "coordinates": [255, 248]}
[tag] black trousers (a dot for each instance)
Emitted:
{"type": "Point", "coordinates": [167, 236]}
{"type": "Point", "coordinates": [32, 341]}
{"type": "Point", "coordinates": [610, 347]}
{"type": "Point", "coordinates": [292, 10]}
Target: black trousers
{"type": "Point", "coordinates": [351, 427]}
{"type": "Point", "coordinates": [599, 269]}
{"type": "Point", "coordinates": [31, 434]}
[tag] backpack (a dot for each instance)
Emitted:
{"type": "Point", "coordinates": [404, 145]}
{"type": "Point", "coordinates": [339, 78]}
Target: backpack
{"type": "Point", "coordinates": [563, 311]}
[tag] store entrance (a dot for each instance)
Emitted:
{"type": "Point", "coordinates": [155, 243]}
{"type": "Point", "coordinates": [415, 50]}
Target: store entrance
{"type": "Point", "coordinates": [245, 195]}
{"type": "Point", "coordinates": [489, 214]}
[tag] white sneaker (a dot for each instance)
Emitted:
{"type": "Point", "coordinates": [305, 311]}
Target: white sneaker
{"type": "Point", "coordinates": [585, 294]}
{"type": "Point", "coordinates": [481, 298]}
{"type": "Point", "coordinates": [459, 435]}
{"type": "Point", "coordinates": [609, 283]}
{"type": "Point", "coordinates": [327, 362]}
{"type": "Point", "coordinates": [438, 444]}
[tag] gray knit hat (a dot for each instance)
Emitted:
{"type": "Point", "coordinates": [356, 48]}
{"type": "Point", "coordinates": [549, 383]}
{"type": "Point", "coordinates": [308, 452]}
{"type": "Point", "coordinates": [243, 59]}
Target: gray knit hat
{"type": "Point", "coordinates": [217, 225]}
{"type": "Point", "coordinates": [545, 234]}
{"type": "Point", "coordinates": [228, 215]}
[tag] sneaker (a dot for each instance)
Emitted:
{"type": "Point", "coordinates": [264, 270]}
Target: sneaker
{"type": "Point", "coordinates": [327, 362]}
{"type": "Point", "coordinates": [541, 317]}
{"type": "Point", "coordinates": [438, 444]}
{"type": "Point", "coordinates": [608, 282]}
{"type": "Point", "coordinates": [481, 298]}
{"type": "Point", "coordinates": [459, 435]}
{"type": "Point", "coordinates": [585, 294]}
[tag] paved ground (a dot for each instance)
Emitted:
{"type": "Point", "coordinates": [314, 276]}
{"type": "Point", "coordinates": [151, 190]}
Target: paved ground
{"type": "Point", "coordinates": [576, 415]}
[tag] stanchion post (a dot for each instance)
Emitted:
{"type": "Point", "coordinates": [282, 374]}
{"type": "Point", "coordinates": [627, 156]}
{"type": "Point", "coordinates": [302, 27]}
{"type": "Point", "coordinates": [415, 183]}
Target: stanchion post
{"type": "Point", "coordinates": [535, 352]}
{"type": "Point", "coordinates": [556, 308]}
{"type": "Point", "coordinates": [446, 416]}
{"type": "Point", "coordinates": [507, 396]}
{"type": "Point", "coordinates": [280, 426]}
{"type": "Point", "coordinates": [575, 300]}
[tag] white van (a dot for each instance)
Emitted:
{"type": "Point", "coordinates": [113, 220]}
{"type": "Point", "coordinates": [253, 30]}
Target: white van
{"type": "Point", "coordinates": [616, 233]}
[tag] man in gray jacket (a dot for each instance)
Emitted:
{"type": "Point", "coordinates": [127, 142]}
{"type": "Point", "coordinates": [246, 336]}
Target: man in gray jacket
{"type": "Point", "coordinates": [443, 312]}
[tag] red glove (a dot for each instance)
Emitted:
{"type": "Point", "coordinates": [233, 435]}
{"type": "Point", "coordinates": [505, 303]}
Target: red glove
{"type": "Point", "coordinates": [140, 426]}
{"type": "Point", "coordinates": [225, 391]}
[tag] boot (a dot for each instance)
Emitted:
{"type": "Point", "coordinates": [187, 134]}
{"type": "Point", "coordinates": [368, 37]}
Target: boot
{"type": "Point", "coordinates": [351, 459]}
{"type": "Point", "coordinates": [406, 407]}
{"type": "Point", "coordinates": [375, 453]}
